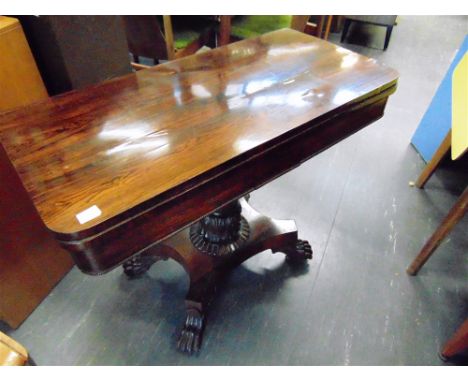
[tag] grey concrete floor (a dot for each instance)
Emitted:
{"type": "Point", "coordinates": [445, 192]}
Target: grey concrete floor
{"type": "Point", "coordinates": [353, 304]}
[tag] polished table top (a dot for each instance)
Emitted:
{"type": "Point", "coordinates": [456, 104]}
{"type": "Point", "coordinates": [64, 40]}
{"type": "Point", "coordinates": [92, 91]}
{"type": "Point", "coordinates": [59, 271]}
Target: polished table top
{"type": "Point", "coordinates": [88, 157]}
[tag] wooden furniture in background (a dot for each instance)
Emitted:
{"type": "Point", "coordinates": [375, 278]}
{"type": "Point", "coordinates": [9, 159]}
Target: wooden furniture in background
{"type": "Point", "coordinates": [300, 23]}
{"type": "Point", "coordinates": [321, 27]}
{"type": "Point", "coordinates": [337, 24]}
{"type": "Point", "coordinates": [457, 140]}
{"type": "Point", "coordinates": [203, 132]}
{"type": "Point", "coordinates": [224, 30]}
{"type": "Point", "coordinates": [11, 352]}
{"type": "Point", "coordinates": [31, 261]}
{"type": "Point", "coordinates": [457, 136]}
{"type": "Point", "coordinates": [244, 27]}
{"type": "Point", "coordinates": [432, 165]}
{"type": "Point", "coordinates": [387, 21]}
{"type": "Point", "coordinates": [169, 37]}
{"type": "Point", "coordinates": [190, 33]}
{"type": "Point", "coordinates": [72, 52]}
{"type": "Point", "coordinates": [328, 24]}
{"type": "Point", "coordinates": [453, 217]}
{"type": "Point", "coordinates": [20, 81]}
{"type": "Point", "coordinates": [457, 343]}
{"type": "Point", "coordinates": [146, 37]}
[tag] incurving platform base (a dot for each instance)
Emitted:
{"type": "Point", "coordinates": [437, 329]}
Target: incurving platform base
{"type": "Point", "coordinates": [212, 247]}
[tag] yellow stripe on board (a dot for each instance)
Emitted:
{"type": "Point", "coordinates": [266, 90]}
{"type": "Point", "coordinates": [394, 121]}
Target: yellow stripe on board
{"type": "Point", "coordinates": [460, 108]}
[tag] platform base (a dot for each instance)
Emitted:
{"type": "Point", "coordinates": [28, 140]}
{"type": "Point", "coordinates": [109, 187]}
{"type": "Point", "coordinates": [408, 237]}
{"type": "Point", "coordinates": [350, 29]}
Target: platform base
{"type": "Point", "coordinates": [208, 266]}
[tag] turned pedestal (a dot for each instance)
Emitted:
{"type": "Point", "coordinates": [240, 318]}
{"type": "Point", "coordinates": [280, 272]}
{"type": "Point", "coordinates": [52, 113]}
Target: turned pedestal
{"type": "Point", "coordinates": [212, 247]}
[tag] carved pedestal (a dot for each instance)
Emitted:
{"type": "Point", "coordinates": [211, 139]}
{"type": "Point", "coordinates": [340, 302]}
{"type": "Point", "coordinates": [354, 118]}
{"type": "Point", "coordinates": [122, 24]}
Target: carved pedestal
{"type": "Point", "coordinates": [212, 247]}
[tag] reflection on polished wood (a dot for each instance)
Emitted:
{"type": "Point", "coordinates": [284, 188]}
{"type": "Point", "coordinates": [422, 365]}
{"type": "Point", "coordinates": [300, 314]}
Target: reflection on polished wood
{"type": "Point", "coordinates": [117, 167]}
{"type": "Point", "coordinates": [126, 141]}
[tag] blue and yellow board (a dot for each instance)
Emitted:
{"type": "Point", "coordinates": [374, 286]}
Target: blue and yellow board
{"type": "Point", "coordinates": [437, 121]}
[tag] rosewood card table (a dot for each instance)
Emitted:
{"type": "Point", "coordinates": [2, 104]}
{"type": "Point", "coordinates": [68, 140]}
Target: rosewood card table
{"type": "Point", "coordinates": [159, 164]}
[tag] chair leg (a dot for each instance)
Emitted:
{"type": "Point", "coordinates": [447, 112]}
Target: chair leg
{"type": "Point", "coordinates": [136, 58]}
{"type": "Point", "coordinates": [435, 160]}
{"type": "Point", "coordinates": [169, 37]}
{"type": "Point", "coordinates": [327, 27]}
{"type": "Point", "coordinates": [346, 25]}
{"type": "Point", "coordinates": [454, 216]}
{"type": "Point", "coordinates": [387, 36]}
{"type": "Point", "coordinates": [457, 343]}
{"type": "Point", "coordinates": [320, 25]}
{"type": "Point", "coordinates": [224, 30]}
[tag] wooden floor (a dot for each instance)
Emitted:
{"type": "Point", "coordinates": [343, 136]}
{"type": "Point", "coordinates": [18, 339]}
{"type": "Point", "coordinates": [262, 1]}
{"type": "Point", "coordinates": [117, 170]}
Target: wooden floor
{"type": "Point", "coordinates": [354, 304]}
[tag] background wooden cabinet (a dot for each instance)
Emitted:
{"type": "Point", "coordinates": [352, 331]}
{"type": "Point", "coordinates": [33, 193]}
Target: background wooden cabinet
{"type": "Point", "coordinates": [31, 261]}
{"type": "Point", "coordinates": [21, 83]}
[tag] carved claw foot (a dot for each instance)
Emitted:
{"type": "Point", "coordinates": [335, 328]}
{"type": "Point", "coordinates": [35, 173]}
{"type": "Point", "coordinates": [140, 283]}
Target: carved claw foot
{"type": "Point", "coordinates": [191, 334]}
{"type": "Point", "coordinates": [298, 253]}
{"type": "Point", "coordinates": [138, 265]}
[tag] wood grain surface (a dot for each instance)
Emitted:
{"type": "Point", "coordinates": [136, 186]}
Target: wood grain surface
{"type": "Point", "coordinates": [125, 141]}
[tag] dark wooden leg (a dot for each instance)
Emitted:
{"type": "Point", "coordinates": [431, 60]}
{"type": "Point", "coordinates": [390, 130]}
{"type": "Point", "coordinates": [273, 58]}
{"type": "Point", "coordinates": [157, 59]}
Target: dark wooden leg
{"type": "Point", "coordinates": [136, 59]}
{"type": "Point", "coordinates": [457, 343]}
{"type": "Point", "coordinates": [224, 30]}
{"type": "Point", "coordinates": [190, 337]}
{"type": "Point", "coordinates": [435, 160]}
{"type": "Point", "coordinates": [346, 25]}
{"type": "Point", "coordinates": [387, 36]}
{"type": "Point", "coordinates": [212, 247]}
{"type": "Point", "coordinates": [320, 24]}
{"type": "Point", "coordinates": [199, 296]}
{"type": "Point", "coordinates": [454, 216]}
{"type": "Point", "coordinates": [327, 27]}
{"type": "Point", "coordinates": [298, 252]}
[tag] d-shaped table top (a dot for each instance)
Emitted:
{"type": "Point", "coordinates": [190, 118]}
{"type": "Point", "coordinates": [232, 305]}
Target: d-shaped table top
{"type": "Point", "coordinates": [93, 158]}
